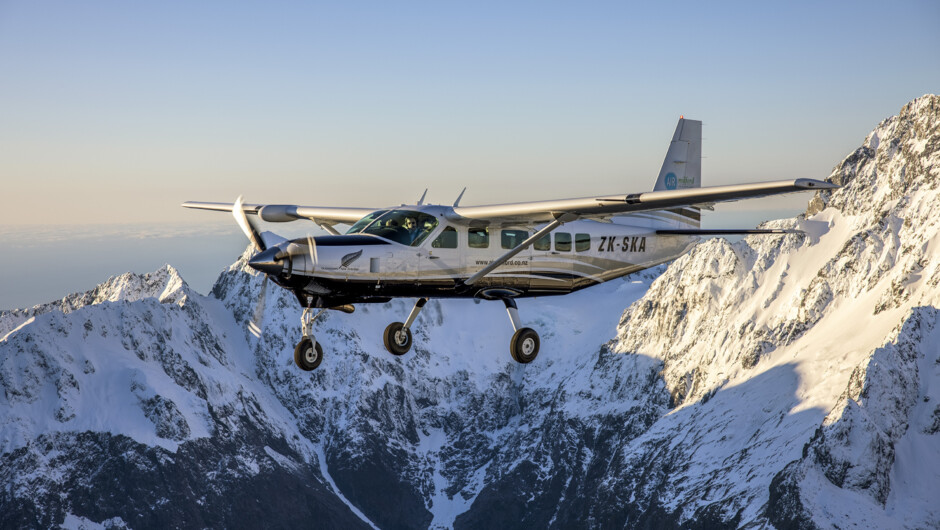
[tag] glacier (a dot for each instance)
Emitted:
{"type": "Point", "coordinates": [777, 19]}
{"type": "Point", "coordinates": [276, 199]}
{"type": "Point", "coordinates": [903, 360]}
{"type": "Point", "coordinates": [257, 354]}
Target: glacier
{"type": "Point", "coordinates": [786, 381]}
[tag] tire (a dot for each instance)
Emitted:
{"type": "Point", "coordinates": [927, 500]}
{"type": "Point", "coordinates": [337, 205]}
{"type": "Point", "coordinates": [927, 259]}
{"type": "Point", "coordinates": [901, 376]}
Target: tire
{"type": "Point", "coordinates": [524, 345]}
{"type": "Point", "coordinates": [397, 339]}
{"type": "Point", "coordinates": [308, 354]}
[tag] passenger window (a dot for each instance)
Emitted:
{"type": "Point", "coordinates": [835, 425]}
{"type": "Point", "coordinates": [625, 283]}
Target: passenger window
{"type": "Point", "coordinates": [479, 237]}
{"type": "Point", "coordinates": [562, 242]}
{"type": "Point", "coordinates": [544, 243]}
{"type": "Point", "coordinates": [512, 238]}
{"type": "Point", "coordinates": [447, 239]}
{"type": "Point", "coordinates": [582, 242]}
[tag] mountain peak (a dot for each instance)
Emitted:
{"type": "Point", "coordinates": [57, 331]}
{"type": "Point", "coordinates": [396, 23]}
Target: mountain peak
{"type": "Point", "coordinates": [164, 284]}
{"type": "Point", "coordinates": [900, 156]}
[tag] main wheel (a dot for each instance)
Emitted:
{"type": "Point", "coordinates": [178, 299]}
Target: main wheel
{"type": "Point", "coordinates": [524, 345]}
{"type": "Point", "coordinates": [308, 354]}
{"type": "Point", "coordinates": [397, 338]}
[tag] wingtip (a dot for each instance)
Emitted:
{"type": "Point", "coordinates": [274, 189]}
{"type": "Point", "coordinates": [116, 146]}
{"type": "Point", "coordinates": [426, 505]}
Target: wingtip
{"type": "Point", "coordinates": [812, 184]}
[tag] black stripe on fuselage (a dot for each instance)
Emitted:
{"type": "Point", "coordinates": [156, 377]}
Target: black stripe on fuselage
{"type": "Point", "coordinates": [448, 288]}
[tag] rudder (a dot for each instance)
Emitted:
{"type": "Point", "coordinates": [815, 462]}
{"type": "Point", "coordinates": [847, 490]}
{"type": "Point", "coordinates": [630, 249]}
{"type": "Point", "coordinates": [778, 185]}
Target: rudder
{"type": "Point", "coordinates": [682, 167]}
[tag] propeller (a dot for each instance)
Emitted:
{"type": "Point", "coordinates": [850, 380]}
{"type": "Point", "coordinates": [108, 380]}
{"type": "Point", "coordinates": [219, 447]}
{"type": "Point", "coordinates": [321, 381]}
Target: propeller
{"type": "Point", "coordinates": [250, 230]}
{"type": "Point", "coordinates": [312, 246]}
{"type": "Point", "coordinates": [267, 260]}
{"type": "Point", "coordinates": [254, 325]}
{"type": "Point", "coordinates": [238, 210]}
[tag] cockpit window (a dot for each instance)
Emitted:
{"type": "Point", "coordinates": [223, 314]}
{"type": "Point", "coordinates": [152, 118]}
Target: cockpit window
{"type": "Point", "coordinates": [401, 226]}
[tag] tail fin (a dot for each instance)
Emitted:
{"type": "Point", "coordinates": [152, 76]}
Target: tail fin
{"type": "Point", "coordinates": [682, 167]}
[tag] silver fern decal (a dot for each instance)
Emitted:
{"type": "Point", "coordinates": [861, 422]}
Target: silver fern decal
{"type": "Point", "coordinates": [349, 258]}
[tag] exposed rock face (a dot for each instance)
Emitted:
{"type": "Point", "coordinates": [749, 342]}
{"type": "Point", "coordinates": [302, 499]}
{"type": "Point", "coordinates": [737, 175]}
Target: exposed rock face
{"type": "Point", "coordinates": [787, 380]}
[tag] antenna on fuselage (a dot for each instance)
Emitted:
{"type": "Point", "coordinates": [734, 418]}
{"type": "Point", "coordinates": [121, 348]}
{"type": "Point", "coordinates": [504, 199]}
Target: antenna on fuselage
{"type": "Point", "coordinates": [423, 195]}
{"type": "Point", "coordinates": [459, 197]}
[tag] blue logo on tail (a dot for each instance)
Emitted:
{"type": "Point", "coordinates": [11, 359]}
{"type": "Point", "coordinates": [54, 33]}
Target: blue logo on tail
{"type": "Point", "coordinates": [671, 181]}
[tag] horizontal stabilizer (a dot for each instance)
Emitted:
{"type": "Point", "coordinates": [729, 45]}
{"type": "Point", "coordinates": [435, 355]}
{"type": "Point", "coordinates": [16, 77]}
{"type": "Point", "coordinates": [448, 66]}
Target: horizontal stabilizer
{"type": "Point", "coordinates": [725, 231]}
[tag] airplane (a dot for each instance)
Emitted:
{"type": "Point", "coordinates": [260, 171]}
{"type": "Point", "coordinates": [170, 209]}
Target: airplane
{"type": "Point", "coordinates": [492, 252]}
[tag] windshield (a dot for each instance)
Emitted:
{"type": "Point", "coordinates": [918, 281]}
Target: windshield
{"type": "Point", "coordinates": [401, 226]}
{"type": "Point", "coordinates": [366, 221]}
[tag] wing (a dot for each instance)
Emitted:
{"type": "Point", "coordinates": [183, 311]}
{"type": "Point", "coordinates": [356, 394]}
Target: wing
{"type": "Point", "coordinates": [611, 205]}
{"type": "Point", "coordinates": [282, 213]}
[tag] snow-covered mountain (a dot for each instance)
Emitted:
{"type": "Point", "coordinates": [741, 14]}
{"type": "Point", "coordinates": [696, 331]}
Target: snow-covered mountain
{"type": "Point", "coordinates": [787, 381]}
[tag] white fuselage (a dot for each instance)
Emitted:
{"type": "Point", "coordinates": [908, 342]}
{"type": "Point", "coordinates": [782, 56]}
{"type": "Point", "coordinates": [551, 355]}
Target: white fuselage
{"type": "Point", "coordinates": [576, 255]}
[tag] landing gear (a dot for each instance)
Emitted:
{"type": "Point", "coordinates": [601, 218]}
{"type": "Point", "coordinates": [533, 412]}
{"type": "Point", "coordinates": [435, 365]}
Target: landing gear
{"type": "Point", "coordinates": [308, 354]}
{"type": "Point", "coordinates": [397, 336]}
{"type": "Point", "coordinates": [524, 346]}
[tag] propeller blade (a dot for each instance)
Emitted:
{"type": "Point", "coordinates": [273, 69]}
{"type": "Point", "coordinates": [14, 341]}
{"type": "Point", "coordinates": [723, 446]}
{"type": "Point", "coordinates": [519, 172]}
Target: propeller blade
{"type": "Point", "coordinates": [257, 318]}
{"type": "Point", "coordinates": [312, 245]}
{"type": "Point", "coordinates": [247, 227]}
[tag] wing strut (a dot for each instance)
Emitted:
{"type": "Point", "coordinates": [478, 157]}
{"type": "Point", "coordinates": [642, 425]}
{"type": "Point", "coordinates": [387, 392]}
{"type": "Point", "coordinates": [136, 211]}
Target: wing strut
{"type": "Point", "coordinates": [560, 220]}
{"type": "Point", "coordinates": [724, 231]}
{"type": "Point", "coordinates": [329, 229]}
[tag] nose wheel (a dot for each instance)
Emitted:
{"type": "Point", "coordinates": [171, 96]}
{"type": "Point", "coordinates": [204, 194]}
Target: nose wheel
{"type": "Point", "coordinates": [308, 354]}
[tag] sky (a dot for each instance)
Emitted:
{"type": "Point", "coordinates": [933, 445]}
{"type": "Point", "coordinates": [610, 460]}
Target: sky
{"type": "Point", "coordinates": [113, 113]}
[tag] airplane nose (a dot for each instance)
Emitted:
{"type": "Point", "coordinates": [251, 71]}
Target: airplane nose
{"type": "Point", "coordinates": [266, 262]}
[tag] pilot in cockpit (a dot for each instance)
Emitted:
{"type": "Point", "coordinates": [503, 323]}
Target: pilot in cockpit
{"type": "Point", "coordinates": [411, 227]}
